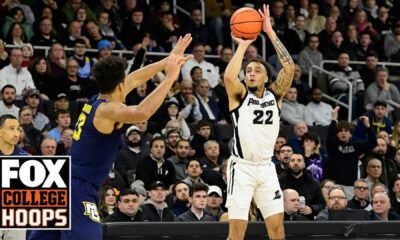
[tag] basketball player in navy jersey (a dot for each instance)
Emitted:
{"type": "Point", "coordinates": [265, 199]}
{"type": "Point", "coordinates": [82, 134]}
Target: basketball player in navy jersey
{"type": "Point", "coordinates": [98, 131]}
{"type": "Point", "coordinates": [255, 111]}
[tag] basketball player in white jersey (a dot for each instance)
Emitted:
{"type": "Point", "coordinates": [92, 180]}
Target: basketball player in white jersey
{"type": "Point", "coordinates": [255, 112]}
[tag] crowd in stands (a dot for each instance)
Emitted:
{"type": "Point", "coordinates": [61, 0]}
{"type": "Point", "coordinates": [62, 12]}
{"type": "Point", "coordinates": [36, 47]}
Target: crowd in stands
{"type": "Point", "coordinates": [173, 167]}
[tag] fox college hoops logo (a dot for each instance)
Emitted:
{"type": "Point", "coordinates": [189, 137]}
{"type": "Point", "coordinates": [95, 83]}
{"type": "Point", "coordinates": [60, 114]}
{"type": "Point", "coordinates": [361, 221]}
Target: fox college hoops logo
{"type": "Point", "coordinates": [35, 192]}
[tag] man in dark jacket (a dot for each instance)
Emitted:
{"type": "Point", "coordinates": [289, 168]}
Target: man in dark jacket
{"type": "Point", "coordinates": [155, 208]}
{"type": "Point", "coordinates": [128, 208]}
{"type": "Point", "coordinates": [198, 201]}
{"type": "Point", "coordinates": [298, 178]}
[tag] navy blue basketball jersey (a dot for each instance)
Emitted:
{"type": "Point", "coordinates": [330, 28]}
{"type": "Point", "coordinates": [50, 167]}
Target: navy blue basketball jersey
{"type": "Point", "coordinates": [93, 152]}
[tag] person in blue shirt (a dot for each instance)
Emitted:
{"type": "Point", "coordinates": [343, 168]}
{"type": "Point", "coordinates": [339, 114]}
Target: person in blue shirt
{"type": "Point", "coordinates": [97, 135]}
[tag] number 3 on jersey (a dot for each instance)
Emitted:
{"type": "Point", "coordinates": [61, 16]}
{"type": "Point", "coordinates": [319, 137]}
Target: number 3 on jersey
{"type": "Point", "coordinates": [262, 118]}
{"type": "Point", "coordinates": [78, 126]}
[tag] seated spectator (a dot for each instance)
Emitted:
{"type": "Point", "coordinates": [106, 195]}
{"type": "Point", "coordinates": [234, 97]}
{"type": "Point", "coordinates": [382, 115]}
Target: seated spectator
{"type": "Point", "coordinates": [381, 209]}
{"type": "Point", "coordinates": [134, 30]}
{"type": "Point", "coordinates": [180, 190]}
{"type": "Point", "coordinates": [202, 135]}
{"type": "Point", "coordinates": [280, 140]}
{"type": "Point", "coordinates": [32, 136]}
{"type": "Point", "coordinates": [48, 146]}
{"type": "Point", "coordinates": [170, 112]}
{"type": "Point", "coordinates": [326, 185]}
{"type": "Point", "coordinates": [337, 200]}
{"type": "Point", "coordinates": [85, 63]}
{"type": "Point", "coordinates": [71, 6]}
{"type": "Point", "coordinates": [27, 55]}
{"type": "Point", "coordinates": [188, 103]}
{"type": "Point", "coordinates": [105, 49]}
{"type": "Point", "coordinates": [344, 152]}
{"type": "Point", "coordinates": [383, 23]}
{"type": "Point", "coordinates": [211, 160]}
{"type": "Point", "coordinates": [146, 136]}
{"type": "Point", "coordinates": [198, 30]}
{"type": "Point", "coordinates": [285, 151]}
{"type": "Point", "coordinates": [17, 15]}
{"type": "Point", "coordinates": [299, 179]}
{"type": "Point", "coordinates": [378, 121]}
{"type": "Point", "coordinates": [193, 172]}
{"type": "Point", "coordinates": [365, 46]}
{"type": "Point", "coordinates": [16, 35]}
{"type": "Point", "coordinates": [7, 105]}
{"type": "Point", "coordinates": [63, 120]}
{"type": "Point", "coordinates": [325, 35]}
{"type": "Point", "coordinates": [314, 23]}
{"type": "Point", "coordinates": [57, 61]}
{"type": "Point", "coordinates": [155, 209]}
{"type": "Point", "coordinates": [198, 202]}
{"type": "Point", "coordinates": [208, 104]}
{"type": "Point", "coordinates": [361, 195]}
{"type": "Point", "coordinates": [40, 121]}
{"type": "Point", "coordinates": [180, 159]}
{"type": "Point", "coordinates": [154, 167]}
{"type": "Point", "coordinates": [45, 36]}
{"type": "Point", "coordinates": [373, 172]}
{"type": "Point", "coordinates": [310, 55]}
{"type": "Point", "coordinates": [71, 84]}
{"type": "Point", "coordinates": [14, 71]}
{"type": "Point", "coordinates": [335, 47]}
{"type": "Point", "coordinates": [40, 71]}
{"type": "Point", "coordinates": [65, 144]}
{"type": "Point", "coordinates": [166, 33]}
{"type": "Point", "coordinates": [172, 137]}
{"type": "Point", "coordinates": [291, 206]}
{"type": "Point", "coordinates": [74, 31]}
{"type": "Point", "coordinates": [214, 202]}
{"type": "Point", "coordinates": [395, 198]}
{"type": "Point", "coordinates": [319, 111]}
{"type": "Point", "coordinates": [111, 9]}
{"type": "Point", "coordinates": [315, 163]}
{"type": "Point", "coordinates": [367, 71]}
{"type": "Point", "coordinates": [292, 112]}
{"type": "Point", "coordinates": [128, 209]}
{"type": "Point", "coordinates": [381, 90]}
{"type": "Point", "coordinates": [299, 129]}
{"type": "Point", "coordinates": [128, 157]}
{"type": "Point", "coordinates": [107, 202]}
{"type": "Point", "coordinates": [300, 82]}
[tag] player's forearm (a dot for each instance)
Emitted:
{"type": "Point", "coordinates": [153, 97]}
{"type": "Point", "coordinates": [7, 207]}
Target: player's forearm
{"type": "Point", "coordinates": [282, 53]}
{"type": "Point", "coordinates": [142, 75]}
{"type": "Point", "coordinates": [234, 66]}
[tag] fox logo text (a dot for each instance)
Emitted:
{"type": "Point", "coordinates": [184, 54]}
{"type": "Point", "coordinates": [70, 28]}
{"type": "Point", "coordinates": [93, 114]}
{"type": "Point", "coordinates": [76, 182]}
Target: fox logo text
{"type": "Point", "coordinates": [35, 192]}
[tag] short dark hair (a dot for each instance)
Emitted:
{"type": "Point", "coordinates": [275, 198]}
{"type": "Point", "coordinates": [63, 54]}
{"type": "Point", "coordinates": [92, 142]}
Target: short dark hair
{"type": "Point", "coordinates": [197, 187]}
{"type": "Point", "coordinates": [194, 69]}
{"type": "Point", "coordinates": [344, 125]}
{"type": "Point", "coordinates": [59, 112]}
{"type": "Point", "coordinates": [108, 73]}
{"type": "Point", "coordinates": [311, 136]}
{"type": "Point", "coordinates": [191, 160]}
{"type": "Point", "coordinates": [380, 103]}
{"type": "Point", "coordinates": [203, 123]}
{"type": "Point", "coordinates": [7, 86]}
{"type": "Point", "coordinates": [159, 138]}
{"type": "Point", "coordinates": [126, 191]}
{"type": "Point", "coordinates": [176, 184]}
{"type": "Point", "coordinates": [381, 69]}
{"type": "Point", "coordinates": [5, 117]}
{"type": "Point", "coordinates": [286, 145]}
{"type": "Point", "coordinates": [79, 41]}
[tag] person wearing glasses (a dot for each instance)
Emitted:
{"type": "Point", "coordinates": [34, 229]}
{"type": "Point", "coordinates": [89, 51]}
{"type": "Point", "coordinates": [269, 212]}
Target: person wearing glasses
{"type": "Point", "coordinates": [337, 200]}
{"type": "Point", "coordinates": [361, 195]}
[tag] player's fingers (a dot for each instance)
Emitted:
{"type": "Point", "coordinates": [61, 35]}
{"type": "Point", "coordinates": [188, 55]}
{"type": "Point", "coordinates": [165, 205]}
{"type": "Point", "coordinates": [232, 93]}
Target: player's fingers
{"type": "Point", "coordinates": [261, 13]}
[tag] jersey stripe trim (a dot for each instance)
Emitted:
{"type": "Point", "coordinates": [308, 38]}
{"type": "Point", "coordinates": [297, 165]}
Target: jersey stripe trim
{"type": "Point", "coordinates": [237, 147]}
{"type": "Point", "coordinates": [241, 100]}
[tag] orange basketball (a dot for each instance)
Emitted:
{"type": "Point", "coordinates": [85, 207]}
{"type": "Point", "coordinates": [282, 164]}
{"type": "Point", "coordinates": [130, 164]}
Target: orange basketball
{"type": "Point", "coordinates": [246, 23]}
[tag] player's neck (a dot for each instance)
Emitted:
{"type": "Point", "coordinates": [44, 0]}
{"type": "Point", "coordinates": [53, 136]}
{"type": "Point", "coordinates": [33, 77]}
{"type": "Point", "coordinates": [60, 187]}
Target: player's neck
{"type": "Point", "coordinates": [5, 148]}
{"type": "Point", "coordinates": [259, 92]}
{"type": "Point", "coordinates": [110, 97]}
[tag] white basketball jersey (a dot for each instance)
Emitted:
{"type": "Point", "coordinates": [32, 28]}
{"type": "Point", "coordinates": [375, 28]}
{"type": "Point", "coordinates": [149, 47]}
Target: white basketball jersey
{"type": "Point", "coordinates": [256, 127]}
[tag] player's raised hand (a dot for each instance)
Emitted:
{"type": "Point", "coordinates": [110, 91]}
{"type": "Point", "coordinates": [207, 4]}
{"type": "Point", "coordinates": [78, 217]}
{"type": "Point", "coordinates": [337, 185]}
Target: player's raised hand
{"type": "Point", "coordinates": [182, 44]}
{"type": "Point", "coordinates": [267, 26]}
{"type": "Point", "coordinates": [243, 41]}
{"type": "Point", "coordinates": [174, 63]}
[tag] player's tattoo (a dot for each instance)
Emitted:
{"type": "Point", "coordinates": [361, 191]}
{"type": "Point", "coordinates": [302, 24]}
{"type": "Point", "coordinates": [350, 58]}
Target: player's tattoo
{"type": "Point", "coordinates": [281, 51]}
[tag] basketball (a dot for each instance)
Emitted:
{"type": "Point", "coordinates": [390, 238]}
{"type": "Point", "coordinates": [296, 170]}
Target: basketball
{"type": "Point", "coordinates": [246, 23]}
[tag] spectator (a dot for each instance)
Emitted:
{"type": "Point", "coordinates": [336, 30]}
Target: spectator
{"type": "Point", "coordinates": [48, 146]}
{"type": "Point", "coordinates": [166, 33]}
{"type": "Point", "coordinates": [202, 135]}
{"type": "Point", "coordinates": [74, 31]}
{"type": "Point", "coordinates": [181, 196]}
{"type": "Point", "coordinates": [225, 56]}
{"type": "Point", "coordinates": [373, 172]}
{"type": "Point", "coordinates": [325, 35]}
{"type": "Point", "coordinates": [173, 136]}
{"type": "Point", "coordinates": [128, 158]}
{"type": "Point", "coordinates": [188, 102]}
{"type": "Point", "coordinates": [64, 146]}
{"type": "Point", "coordinates": [16, 35]}
{"type": "Point", "coordinates": [378, 121]}
{"type": "Point", "coordinates": [105, 49]}
{"type": "Point", "coordinates": [335, 47]}
{"type": "Point", "coordinates": [198, 201]}
{"type": "Point", "coordinates": [297, 37]}
{"type": "Point", "coordinates": [63, 120]}
{"type": "Point", "coordinates": [138, 186]}
{"type": "Point", "coordinates": [365, 46]}
{"type": "Point", "coordinates": [214, 202]}
{"type": "Point", "coordinates": [299, 179]}
{"type": "Point", "coordinates": [367, 71]}
{"type": "Point", "coordinates": [319, 112]}
{"type": "Point", "coordinates": [344, 152]}
{"type": "Point", "coordinates": [57, 61]}
{"type": "Point", "coordinates": [381, 208]}
{"type": "Point", "coordinates": [193, 172]}
{"type": "Point", "coordinates": [326, 185]}
{"type": "Point", "coordinates": [155, 209]}
{"type": "Point", "coordinates": [107, 202]}
{"type": "Point", "coordinates": [314, 23]}
{"type": "Point", "coordinates": [134, 30]}
{"type": "Point", "coordinates": [381, 90]}
{"type": "Point", "coordinates": [395, 139]}
{"type": "Point", "coordinates": [210, 72]}
{"type": "Point", "coordinates": [108, 7]}
{"type": "Point", "coordinates": [40, 71]}
{"type": "Point", "coordinates": [299, 129]}
{"type": "Point", "coordinates": [7, 105]}
{"type": "Point", "coordinates": [363, 24]}
{"type": "Point", "coordinates": [315, 163]}
{"type": "Point", "coordinates": [211, 160]}
{"type": "Point", "coordinates": [310, 55]}
{"type": "Point", "coordinates": [146, 136]}
{"type": "Point", "coordinates": [394, 200]}
{"type": "Point", "coordinates": [71, 6]}
{"type": "Point", "coordinates": [280, 140]}
{"type": "Point", "coordinates": [154, 167]}
{"type": "Point", "coordinates": [72, 84]}
{"type": "Point", "coordinates": [293, 112]}
{"type": "Point", "coordinates": [199, 31]}
{"type": "Point", "coordinates": [128, 208]}
{"type": "Point", "coordinates": [383, 22]}
{"type": "Point", "coordinates": [15, 75]}
{"type": "Point", "coordinates": [291, 206]}
{"type": "Point", "coordinates": [4, 61]}
{"type": "Point", "coordinates": [170, 112]}
{"type": "Point", "coordinates": [27, 54]}
{"type": "Point", "coordinates": [17, 15]}
{"type": "Point", "coordinates": [208, 104]}
{"type": "Point", "coordinates": [300, 82]}
{"type": "Point", "coordinates": [285, 151]}
{"type": "Point", "coordinates": [337, 200]}
{"type": "Point", "coordinates": [339, 88]}
{"type": "Point", "coordinates": [40, 121]}
{"type": "Point", "coordinates": [361, 195]}
{"type": "Point", "coordinates": [33, 137]}
{"type": "Point", "coordinates": [180, 159]}
{"type": "Point", "coordinates": [85, 63]}
{"type": "Point", "coordinates": [45, 36]}
{"type": "Point", "coordinates": [350, 9]}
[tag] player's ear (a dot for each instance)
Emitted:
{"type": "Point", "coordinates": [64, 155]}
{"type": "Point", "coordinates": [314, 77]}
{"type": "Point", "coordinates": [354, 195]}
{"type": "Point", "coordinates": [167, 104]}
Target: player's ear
{"type": "Point", "coordinates": [266, 79]}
